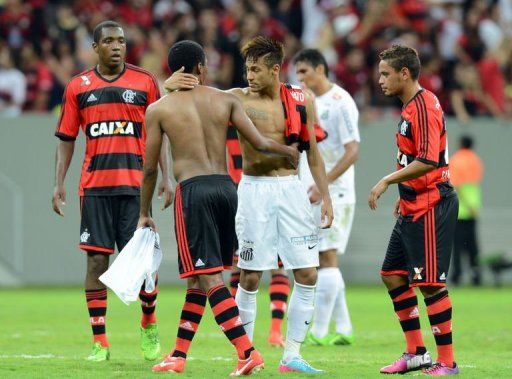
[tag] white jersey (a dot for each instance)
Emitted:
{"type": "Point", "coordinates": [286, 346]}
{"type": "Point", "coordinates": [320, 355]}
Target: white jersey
{"type": "Point", "coordinates": [338, 116]}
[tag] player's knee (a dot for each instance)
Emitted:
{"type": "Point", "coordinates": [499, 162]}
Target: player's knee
{"type": "Point", "coordinates": [207, 282]}
{"type": "Point", "coordinates": [328, 259]}
{"type": "Point", "coordinates": [429, 291]}
{"type": "Point", "coordinates": [97, 264]}
{"type": "Point", "coordinates": [306, 276]}
{"type": "Point", "coordinates": [393, 281]}
{"type": "Point", "coordinates": [250, 280]}
{"type": "Point", "coordinates": [193, 282]}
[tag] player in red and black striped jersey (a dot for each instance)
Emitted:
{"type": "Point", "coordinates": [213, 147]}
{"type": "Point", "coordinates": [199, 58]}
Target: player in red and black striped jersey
{"type": "Point", "coordinates": [108, 102]}
{"type": "Point", "coordinates": [420, 246]}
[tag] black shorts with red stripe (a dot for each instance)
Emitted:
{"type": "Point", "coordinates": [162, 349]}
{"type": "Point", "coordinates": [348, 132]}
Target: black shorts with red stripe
{"type": "Point", "coordinates": [107, 221]}
{"type": "Point", "coordinates": [421, 249]}
{"type": "Point", "coordinates": [204, 219]}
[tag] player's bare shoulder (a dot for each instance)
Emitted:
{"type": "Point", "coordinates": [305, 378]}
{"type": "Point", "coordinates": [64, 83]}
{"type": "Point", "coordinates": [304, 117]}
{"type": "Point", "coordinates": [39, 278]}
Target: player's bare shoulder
{"type": "Point", "coordinates": [240, 93]}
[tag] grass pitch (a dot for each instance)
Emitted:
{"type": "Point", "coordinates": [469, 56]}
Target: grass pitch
{"type": "Point", "coordinates": [45, 334]}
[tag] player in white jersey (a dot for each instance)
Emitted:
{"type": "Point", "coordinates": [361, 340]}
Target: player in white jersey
{"type": "Point", "coordinates": [338, 116]}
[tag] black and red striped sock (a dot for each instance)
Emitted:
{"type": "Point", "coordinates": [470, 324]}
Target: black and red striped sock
{"type": "Point", "coordinates": [233, 282]}
{"type": "Point", "coordinates": [191, 315]}
{"type": "Point", "coordinates": [148, 304]}
{"type": "Point", "coordinates": [279, 291]}
{"type": "Point", "coordinates": [97, 306]}
{"type": "Point", "coordinates": [405, 303]}
{"type": "Point", "coordinates": [439, 309]}
{"type": "Point", "coordinates": [227, 316]}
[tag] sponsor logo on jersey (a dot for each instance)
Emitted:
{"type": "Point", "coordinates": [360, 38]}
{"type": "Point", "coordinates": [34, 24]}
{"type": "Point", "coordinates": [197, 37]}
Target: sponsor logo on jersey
{"type": "Point", "coordinates": [403, 159]}
{"type": "Point", "coordinates": [110, 128]}
{"type": "Point", "coordinates": [303, 240]}
{"type": "Point", "coordinates": [403, 127]}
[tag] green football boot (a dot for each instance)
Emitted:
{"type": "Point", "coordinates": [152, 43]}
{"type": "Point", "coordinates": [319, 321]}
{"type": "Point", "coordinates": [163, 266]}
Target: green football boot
{"type": "Point", "coordinates": [150, 342]}
{"type": "Point", "coordinates": [99, 353]}
{"type": "Point", "coordinates": [328, 340]}
{"type": "Point", "coordinates": [343, 339]}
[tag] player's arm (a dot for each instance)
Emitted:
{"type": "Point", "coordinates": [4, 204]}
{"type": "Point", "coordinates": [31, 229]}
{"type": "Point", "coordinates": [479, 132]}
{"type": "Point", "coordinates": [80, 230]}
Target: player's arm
{"type": "Point", "coordinates": [427, 140]}
{"type": "Point", "coordinates": [317, 168]}
{"type": "Point", "coordinates": [165, 186]}
{"type": "Point", "coordinates": [153, 147]}
{"type": "Point", "coordinates": [246, 128]}
{"type": "Point", "coordinates": [63, 156]}
{"type": "Point", "coordinates": [67, 131]}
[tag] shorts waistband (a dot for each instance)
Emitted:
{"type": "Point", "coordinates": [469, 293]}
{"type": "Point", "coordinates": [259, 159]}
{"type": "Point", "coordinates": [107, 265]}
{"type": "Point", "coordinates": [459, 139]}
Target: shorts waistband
{"type": "Point", "coordinates": [274, 179]}
{"type": "Point", "coordinates": [206, 178]}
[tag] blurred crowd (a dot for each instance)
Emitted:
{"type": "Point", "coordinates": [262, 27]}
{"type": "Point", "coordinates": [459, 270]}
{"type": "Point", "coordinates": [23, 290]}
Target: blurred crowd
{"type": "Point", "coordinates": [464, 45]}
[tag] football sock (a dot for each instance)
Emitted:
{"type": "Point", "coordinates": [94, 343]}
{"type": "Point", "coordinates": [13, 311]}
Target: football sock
{"type": "Point", "coordinates": [97, 306]}
{"type": "Point", "coordinates": [327, 288]}
{"type": "Point", "coordinates": [300, 314]}
{"type": "Point", "coordinates": [233, 282]}
{"type": "Point", "coordinates": [227, 316]}
{"type": "Point", "coordinates": [246, 302]}
{"type": "Point", "coordinates": [341, 316]}
{"type": "Point", "coordinates": [279, 290]}
{"type": "Point", "coordinates": [148, 304]}
{"type": "Point", "coordinates": [439, 310]}
{"type": "Point", "coordinates": [405, 303]}
{"type": "Point", "coordinates": [191, 315]}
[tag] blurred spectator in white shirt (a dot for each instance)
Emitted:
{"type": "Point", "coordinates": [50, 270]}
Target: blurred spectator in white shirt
{"type": "Point", "coordinates": [12, 86]}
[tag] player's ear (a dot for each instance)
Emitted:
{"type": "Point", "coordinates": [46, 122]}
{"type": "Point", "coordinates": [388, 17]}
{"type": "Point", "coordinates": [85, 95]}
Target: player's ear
{"type": "Point", "coordinates": [95, 47]}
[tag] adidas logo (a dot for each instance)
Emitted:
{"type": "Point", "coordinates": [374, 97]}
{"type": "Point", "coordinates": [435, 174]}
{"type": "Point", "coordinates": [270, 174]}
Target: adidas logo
{"type": "Point", "coordinates": [443, 276]}
{"type": "Point", "coordinates": [187, 325]}
{"type": "Point", "coordinates": [91, 98]}
{"type": "Point", "coordinates": [415, 312]}
{"type": "Point", "coordinates": [199, 263]}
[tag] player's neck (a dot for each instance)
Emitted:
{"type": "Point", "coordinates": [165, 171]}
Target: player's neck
{"type": "Point", "coordinates": [409, 92]}
{"type": "Point", "coordinates": [109, 73]}
{"type": "Point", "coordinates": [273, 91]}
{"type": "Point", "coordinates": [323, 87]}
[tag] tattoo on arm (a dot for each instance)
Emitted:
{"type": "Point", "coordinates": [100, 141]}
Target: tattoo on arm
{"type": "Point", "coordinates": [256, 114]}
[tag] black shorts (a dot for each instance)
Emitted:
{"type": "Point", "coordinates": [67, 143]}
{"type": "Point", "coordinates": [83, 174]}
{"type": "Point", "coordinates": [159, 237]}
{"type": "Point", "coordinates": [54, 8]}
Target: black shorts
{"type": "Point", "coordinates": [204, 222]}
{"type": "Point", "coordinates": [107, 221]}
{"type": "Point", "coordinates": [422, 249]}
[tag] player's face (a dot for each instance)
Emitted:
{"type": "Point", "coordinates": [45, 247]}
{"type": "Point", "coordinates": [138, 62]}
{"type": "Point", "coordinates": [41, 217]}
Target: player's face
{"type": "Point", "coordinates": [391, 82]}
{"type": "Point", "coordinates": [259, 75]}
{"type": "Point", "coordinates": [307, 74]}
{"type": "Point", "coordinates": [111, 48]}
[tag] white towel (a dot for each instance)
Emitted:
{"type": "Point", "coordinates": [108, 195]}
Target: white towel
{"type": "Point", "coordinates": [138, 261]}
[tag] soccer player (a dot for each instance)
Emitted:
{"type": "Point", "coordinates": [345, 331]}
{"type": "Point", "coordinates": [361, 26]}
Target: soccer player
{"type": "Point", "coordinates": [108, 102]}
{"type": "Point", "coordinates": [338, 116]}
{"type": "Point", "coordinates": [279, 288]}
{"type": "Point", "coordinates": [274, 216]}
{"type": "Point", "coordinates": [196, 123]}
{"type": "Point", "coordinates": [419, 249]}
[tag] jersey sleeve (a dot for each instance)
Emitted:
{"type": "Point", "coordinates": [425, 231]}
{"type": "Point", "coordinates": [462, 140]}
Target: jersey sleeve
{"type": "Point", "coordinates": [348, 128]}
{"type": "Point", "coordinates": [69, 120]}
{"type": "Point", "coordinates": [153, 91]}
{"type": "Point", "coordinates": [426, 135]}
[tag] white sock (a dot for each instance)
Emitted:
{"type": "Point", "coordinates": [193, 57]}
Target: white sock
{"type": "Point", "coordinates": [246, 302]}
{"type": "Point", "coordinates": [340, 314]}
{"type": "Point", "coordinates": [300, 314]}
{"type": "Point", "coordinates": [327, 288]}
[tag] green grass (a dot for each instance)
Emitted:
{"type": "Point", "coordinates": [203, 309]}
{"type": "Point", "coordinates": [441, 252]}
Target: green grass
{"type": "Point", "coordinates": [45, 334]}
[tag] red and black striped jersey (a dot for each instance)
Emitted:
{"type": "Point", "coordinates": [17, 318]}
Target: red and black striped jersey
{"type": "Point", "coordinates": [422, 136]}
{"type": "Point", "coordinates": [111, 115]}
{"type": "Point", "coordinates": [234, 155]}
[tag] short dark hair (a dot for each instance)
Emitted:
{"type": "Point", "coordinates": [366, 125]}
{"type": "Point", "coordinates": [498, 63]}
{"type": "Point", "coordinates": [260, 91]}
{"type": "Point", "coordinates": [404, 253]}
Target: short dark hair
{"type": "Point", "coordinates": [400, 56]}
{"type": "Point", "coordinates": [96, 34]}
{"type": "Point", "coordinates": [466, 142]}
{"type": "Point", "coordinates": [312, 56]}
{"type": "Point", "coordinates": [186, 54]}
{"type": "Point", "coordinates": [260, 46]}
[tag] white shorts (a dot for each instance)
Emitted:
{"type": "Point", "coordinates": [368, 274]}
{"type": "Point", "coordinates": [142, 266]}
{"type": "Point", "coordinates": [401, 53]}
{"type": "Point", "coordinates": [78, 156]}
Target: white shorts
{"type": "Point", "coordinates": [336, 237]}
{"type": "Point", "coordinates": [274, 218]}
